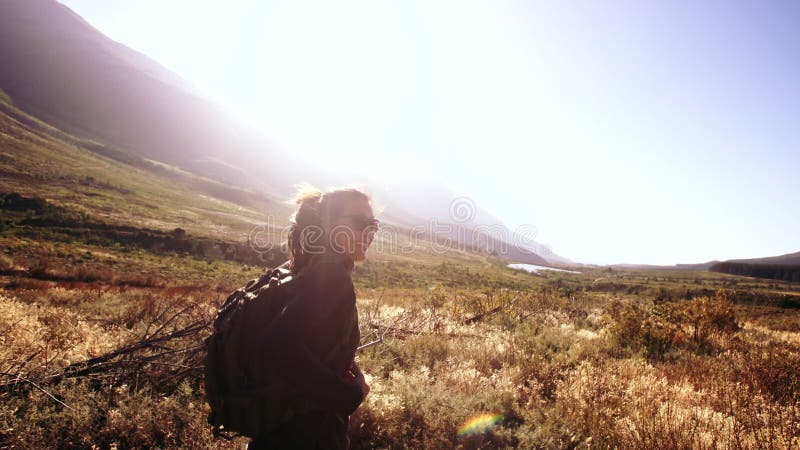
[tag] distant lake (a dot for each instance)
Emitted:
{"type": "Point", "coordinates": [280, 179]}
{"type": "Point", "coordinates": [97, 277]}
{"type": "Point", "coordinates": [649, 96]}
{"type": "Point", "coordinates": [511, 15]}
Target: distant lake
{"type": "Point", "coordinates": [534, 268]}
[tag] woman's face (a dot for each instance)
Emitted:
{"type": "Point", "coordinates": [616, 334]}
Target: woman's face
{"type": "Point", "coordinates": [352, 229]}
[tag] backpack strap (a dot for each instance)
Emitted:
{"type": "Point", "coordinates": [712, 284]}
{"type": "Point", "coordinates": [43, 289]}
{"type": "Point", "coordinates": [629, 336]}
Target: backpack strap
{"type": "Point", "coordinates": [342, 338]}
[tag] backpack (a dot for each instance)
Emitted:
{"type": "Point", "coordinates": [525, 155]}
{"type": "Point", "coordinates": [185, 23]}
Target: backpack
{"type": "Point", "coordinates": [242, 400]}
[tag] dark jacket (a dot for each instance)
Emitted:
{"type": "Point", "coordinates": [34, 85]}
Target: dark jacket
{"type": "Point", "coordinates": [311, 348]}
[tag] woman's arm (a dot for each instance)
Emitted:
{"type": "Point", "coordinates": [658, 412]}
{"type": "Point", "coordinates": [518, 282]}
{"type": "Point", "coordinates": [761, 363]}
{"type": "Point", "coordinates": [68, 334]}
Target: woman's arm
{"type": "Point", "coordinates": [325, 299]}
{"type": "Point", "coordinates": [355, 374]}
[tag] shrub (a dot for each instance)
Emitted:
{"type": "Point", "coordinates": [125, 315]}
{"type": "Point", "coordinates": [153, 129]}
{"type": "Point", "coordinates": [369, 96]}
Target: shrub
{"type": "Point", "coordinates": [627, 404]}
{"type": "Point", "coordinates": [6, 264]}
{"type": "Point", "coordinates": [708, 316]}
{"type": "Point", "coordinates": [662, 327]}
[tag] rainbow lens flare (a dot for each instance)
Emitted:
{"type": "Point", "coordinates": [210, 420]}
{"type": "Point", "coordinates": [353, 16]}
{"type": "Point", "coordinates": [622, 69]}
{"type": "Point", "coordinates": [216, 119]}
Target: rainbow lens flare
{"type": "Point", "coordinates": [479, 424]}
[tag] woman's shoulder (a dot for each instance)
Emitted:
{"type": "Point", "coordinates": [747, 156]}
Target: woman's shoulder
{"type": "Point", "coordinates": [330, 275]}
{"type": "Point", "coordinates": [327, 288]}
{"type": "Point", "coordinates": [340, 266]}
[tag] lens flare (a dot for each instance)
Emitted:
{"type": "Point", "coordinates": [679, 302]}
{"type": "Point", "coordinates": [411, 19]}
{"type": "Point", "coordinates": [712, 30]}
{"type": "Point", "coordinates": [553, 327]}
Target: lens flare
{"type": "Point", "coordinates": [479, 424]}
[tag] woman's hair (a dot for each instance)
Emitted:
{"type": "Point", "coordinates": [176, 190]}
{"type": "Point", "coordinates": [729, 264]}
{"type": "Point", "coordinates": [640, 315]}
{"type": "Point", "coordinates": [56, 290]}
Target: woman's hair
{"type": "Point", "coordinates": [315, 208]}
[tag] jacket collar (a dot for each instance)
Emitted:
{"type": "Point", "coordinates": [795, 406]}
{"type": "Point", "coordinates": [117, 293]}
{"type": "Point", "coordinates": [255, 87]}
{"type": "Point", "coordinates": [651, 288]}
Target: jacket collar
{"type": "Point", "coordinates": [337, 258]}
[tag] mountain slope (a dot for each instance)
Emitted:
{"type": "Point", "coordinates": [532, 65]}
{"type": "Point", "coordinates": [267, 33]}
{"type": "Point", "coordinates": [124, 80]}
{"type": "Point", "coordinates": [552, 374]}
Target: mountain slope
{"type": "Point", "coordinates": [57, 67]}
{"type": "Point", "coordinates": [122, 104]}
{"type": "Point", "coordinates": [790, 259]}
{"type": "Point", "coordinates": [105, 185]}
{"type": "Point", "coordinates": [111, 185]}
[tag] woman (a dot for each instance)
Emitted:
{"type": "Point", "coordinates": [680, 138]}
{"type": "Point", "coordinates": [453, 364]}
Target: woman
{"type": "Point", "coordinates": [312, 344]}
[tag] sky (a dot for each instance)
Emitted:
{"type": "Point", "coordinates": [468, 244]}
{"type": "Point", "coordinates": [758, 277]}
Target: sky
{"type": "Point", "coordinates": [624, 131]}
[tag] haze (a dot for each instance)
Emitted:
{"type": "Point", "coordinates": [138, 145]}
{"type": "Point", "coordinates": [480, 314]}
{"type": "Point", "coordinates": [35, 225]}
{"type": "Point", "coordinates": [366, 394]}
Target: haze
{"type": "Point", "coordinates": [625, 132]}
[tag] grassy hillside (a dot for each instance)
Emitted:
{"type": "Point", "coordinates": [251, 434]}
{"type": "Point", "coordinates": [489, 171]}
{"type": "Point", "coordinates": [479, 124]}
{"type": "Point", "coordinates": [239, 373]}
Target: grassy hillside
{"type": "Point", "coordinates": [112, 266]}
{"type": "Point", "coordinates": [783, 267]}
{"type": "Point", "coordinates": [59, 68]}
{"type": "Point", "coordinates": [112, 185]}
{"type": "Point", "coordinates": [790, 259]}
{"type": "Point", "coordinates": [759, 270]}
{"type": "Point", "coordinates": [101, 196]}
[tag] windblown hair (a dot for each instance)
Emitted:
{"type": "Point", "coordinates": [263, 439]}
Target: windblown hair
{"type": "Point", "coordinates": [315, 210]}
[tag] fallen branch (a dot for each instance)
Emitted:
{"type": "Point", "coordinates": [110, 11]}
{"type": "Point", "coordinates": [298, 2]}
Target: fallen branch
{"type": "Point", "coordinates": [20, 379]}
{"type": "Point", "coordinates": [479, 317]}
{"type": "Point", "coordinates": [397, 332]}
{"type": "Point", "coordinates": [123, 358]}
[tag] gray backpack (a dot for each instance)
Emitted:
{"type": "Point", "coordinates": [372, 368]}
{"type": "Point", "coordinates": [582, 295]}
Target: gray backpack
{"type": "Point", "coordinates": [243, 399]}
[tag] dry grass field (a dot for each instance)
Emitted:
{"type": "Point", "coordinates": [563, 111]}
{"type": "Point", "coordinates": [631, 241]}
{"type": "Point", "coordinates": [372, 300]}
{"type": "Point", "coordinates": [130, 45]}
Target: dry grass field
{"type": "Point", "coordinates": [604, 359]}
{"type": "Point", "coordinates": [112, 267]}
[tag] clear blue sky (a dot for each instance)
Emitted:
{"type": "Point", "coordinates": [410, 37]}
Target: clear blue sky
{"type": "Point", "coordinates": [625, 131]}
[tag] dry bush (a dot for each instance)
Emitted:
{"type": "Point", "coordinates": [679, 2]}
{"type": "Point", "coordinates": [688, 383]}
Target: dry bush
{"type": "Point", "coordinates": [135, 383]}
{"type": "Point", "coordinates": [6, 264]}
{"type": "Point", "coordinates": [628, 404]}
{"type": "Point", "coordinates": [107, 418]}
{"type": "Point", "coordinates": [118, 365]}
{"type": "Point", "coordinates": [36, 340]}
{"type": "Point", "coordinates": [41, 267]}
{"type": "Point", "coordinates": [91, 274]}
{"type": "Point", "coordinates": [656, 330]}
{"type": "Point", "coordinates": [546, 354]}
{"type": "Point", "coordinates": [771, 368]}
{"type": "Point", "coordinates": [423, 408]}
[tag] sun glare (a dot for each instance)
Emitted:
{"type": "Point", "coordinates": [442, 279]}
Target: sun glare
{"type": "Point", "coordinates": [617, 142]}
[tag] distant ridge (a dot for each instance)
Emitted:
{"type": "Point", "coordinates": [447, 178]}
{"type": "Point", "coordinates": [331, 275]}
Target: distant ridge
{"type": "Point", "coordinates": [695, 267]}
{"type": "Point", "coordinates": [789, 259]}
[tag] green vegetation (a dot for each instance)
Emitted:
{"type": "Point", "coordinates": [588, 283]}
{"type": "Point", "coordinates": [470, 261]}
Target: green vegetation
{"type": "Point", "coordinates": [621, 359]}
{"type": "Point", "coordinates": [37, 219]}
{"type": "Point", "coordinates": [112, 266]}
{"type": "Point", "coordinates": [115, 187]}
{"type": "Point", "coordinates": [772, 271]}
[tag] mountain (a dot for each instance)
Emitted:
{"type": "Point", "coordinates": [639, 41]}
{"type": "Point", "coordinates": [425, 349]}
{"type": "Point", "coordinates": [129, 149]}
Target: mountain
{"type": "Point", "coordinates": [59, 68]}
{"type": "Point", "coordinates": [688, 267]}
{"type": "Point", "coordinates": [783, 267]}
{"type": "Point", "coordinates": [737, 266]}
{"type": "Point", "coordinates": [112, 186]}
{"type": "Point", "coordinates": [789, 259]}
{"type": "Point", "coordinates": [458, 216]}
{"type": "Point", "coordinates": [119, 103]}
